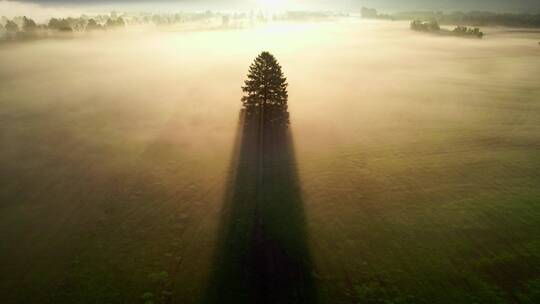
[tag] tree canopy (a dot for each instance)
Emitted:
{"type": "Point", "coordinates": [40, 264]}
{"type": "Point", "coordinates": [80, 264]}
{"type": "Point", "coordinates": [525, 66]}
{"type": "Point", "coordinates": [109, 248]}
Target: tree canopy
{"type": "Point", "coordinates": [433, 27]}
{"type": "Point", "coordinates": [92, 25]}
{"type": "Point", "coordinates": [60, 25]}
{"type": "Point", "coordinates": [265, 91]}
{"type": "Point", "coordinates": [118, 22]}
{"type": "Point", "coordinates": [466, 31]}
{"type": "Point", "coordinates": [425, 26]}
{"type": "Point", "coordinates": [11, 26]}
{"type": "Point", "coordinates": [29, 25]}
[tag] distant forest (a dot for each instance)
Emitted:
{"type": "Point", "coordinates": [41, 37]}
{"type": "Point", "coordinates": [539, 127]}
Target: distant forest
{"type": "Point", "coordinates": [22, 27]}
{"type": "Point", "coordinates": [433, 27]}
{"type": "Point", "coordinates": [473, 18]}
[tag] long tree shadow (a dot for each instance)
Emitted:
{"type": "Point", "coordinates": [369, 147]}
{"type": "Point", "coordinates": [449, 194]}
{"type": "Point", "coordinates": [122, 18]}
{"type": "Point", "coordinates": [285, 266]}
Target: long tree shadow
{"type": "Point", "coordinates": [262, 254]}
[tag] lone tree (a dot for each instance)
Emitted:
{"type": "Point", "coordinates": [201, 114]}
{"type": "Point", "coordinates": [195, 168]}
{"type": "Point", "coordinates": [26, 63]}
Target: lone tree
{"type": "Point", "coordinates": [266, 91]}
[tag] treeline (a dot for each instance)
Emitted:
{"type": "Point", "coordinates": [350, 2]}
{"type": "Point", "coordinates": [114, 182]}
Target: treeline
{"type": "Point", "coordinates": [23, 27]}
{"type": "Point", "coordinates": [473, 18]}
{"type": "Point", "coordinates": [20, 28]}
{"type": "Point", "coordinates": [307, 16]}
{"type": "Point", "coordinates": [115, 20]}
{"type": "Point", "coordinates": [371, 13]}
{"type": "Point", "coordinates": [434, 27]}
{"type": "Point", "coordinates": [476, 18]}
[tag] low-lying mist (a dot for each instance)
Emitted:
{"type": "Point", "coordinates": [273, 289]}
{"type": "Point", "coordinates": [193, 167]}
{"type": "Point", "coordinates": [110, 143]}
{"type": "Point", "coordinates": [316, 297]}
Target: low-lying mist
{"type": "Point", "coordinates": [118, 139]}
{"type": "Point", "coordinates": [343, 75]}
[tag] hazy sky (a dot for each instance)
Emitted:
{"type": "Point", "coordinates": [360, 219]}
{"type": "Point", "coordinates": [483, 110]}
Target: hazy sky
{"type": "Point", "coordinates": [388, 5]}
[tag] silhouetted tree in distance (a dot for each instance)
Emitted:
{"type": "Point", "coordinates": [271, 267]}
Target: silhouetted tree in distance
{"type": "Point", "coordinates": [266, 91]}
{"type": "Point", "coordinates": [433, 27]}
{"type": "Point", "coordinates": [427, 26]}
{"type": "Point", "coordinates": [61, 25]}
{"type": "Point", "coordinates": [54, 24]}
{"type": "Point", "coordinates": [115, 23]}
{"type": "Point", "coordinates": [29, 25]}
{"type": "Point", "coordinates": [11, 27]}
{"type": "Point", "coordinates": [466, 31]}
{"type": "Point", "coordinates": [92, 25]}
{"type": "Point", "coordinates": [369, 13]}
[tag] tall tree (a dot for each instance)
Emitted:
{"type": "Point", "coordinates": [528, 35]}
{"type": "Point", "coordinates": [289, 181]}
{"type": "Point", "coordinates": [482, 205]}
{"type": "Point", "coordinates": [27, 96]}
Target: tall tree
{"type": "Point", "coordinates": [266, 91]}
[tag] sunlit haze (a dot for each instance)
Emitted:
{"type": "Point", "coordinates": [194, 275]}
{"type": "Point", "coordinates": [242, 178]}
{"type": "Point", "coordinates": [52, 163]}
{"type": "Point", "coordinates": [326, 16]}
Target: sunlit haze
{"type": "Point", "coordinates": [269, 152]}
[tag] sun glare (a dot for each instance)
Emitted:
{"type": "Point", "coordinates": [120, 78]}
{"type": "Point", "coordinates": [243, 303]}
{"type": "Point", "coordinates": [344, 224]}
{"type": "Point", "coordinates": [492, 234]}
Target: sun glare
{"type": "Point", "coordinates": [273, 5]}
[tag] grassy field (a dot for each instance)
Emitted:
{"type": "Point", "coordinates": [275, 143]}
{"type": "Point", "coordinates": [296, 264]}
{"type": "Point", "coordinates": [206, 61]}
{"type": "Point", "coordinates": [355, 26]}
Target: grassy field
{"type": "Point", "coordinates": [412, 174]}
